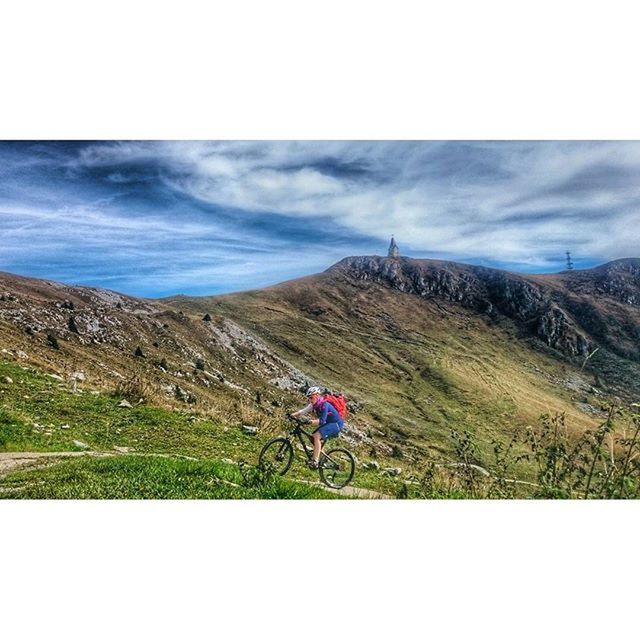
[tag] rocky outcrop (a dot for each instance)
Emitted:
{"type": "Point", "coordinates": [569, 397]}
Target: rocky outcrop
{"type": "Point", "coordinates": [618, 280]}
{"type": "Point", "coordinates": [486, 291]}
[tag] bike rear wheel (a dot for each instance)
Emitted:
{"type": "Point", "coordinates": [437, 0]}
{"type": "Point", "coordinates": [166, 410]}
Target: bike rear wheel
{"type": "Point", "coordinates": [337, 468]}
{"type": "Point", "coordinates": [276, 456]}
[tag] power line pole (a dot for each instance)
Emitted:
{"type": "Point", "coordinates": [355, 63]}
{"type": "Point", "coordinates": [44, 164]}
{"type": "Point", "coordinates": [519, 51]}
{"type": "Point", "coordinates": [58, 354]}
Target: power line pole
{"type": "Point", "coordinates": [569, 262]}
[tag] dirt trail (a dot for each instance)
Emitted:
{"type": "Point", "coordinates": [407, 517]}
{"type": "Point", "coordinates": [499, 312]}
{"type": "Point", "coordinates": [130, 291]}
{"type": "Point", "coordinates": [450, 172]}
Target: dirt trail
{"type": "Point", "coordinates": [11, 460]}
{"type": "Point", "coordinates": [356, 492]}
{"type": "Point", "coordinates": [359, 492]}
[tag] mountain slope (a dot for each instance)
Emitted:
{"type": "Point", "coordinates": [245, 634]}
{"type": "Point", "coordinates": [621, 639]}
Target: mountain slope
{"type": "Point", "coordinates": [142, 347]}
{"type": "Point", "coordinates": [426, 346]}
{"type": "Point", "coordinates": [420, 347]}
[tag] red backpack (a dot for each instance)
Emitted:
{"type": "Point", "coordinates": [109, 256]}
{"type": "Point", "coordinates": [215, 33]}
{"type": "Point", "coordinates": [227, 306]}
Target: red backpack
{"type": "Point", "coordinates": [339, 402]}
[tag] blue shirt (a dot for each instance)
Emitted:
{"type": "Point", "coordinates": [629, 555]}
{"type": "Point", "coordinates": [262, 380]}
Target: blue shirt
{"type": "Point", "coordinates": [327, 413]}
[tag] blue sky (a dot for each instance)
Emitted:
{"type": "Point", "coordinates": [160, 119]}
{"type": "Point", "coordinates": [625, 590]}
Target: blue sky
{"type": "Point", "coordinates": [160, 218]}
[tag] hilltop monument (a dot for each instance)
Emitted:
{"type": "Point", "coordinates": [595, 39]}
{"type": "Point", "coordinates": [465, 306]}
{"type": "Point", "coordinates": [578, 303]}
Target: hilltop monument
{"type": "Point", "coordinates": [394, 252]}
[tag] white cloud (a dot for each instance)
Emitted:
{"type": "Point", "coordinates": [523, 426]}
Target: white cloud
{"type": "Point", "coordinates": [427, 194]}
{"type": "Point", "coordinates": [513, 202]}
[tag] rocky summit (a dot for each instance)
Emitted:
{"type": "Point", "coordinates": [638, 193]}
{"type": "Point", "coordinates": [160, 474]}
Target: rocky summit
{"type": "Point", "coordinates": [571, 312]}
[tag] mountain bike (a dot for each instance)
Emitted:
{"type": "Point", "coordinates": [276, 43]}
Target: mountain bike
{"type": "Point", "coordinates": [336, 467]}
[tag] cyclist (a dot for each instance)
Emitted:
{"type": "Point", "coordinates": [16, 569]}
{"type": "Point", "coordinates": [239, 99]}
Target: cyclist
{"type": "Point", "coordinates": [329, 421]}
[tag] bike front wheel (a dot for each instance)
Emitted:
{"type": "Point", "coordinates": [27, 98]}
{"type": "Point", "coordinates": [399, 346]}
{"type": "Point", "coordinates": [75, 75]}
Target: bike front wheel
{"type": "Point", "coordinates": [276, 456]}
{"type": "Point", "coordinates": [337, 468]}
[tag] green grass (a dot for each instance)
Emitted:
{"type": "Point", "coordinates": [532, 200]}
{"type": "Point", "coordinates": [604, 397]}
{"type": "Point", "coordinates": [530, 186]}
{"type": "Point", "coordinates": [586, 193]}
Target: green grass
{"type": "Point", "coordinates": [39, 414]}
{"type": "Point", "coordinates": [143, 477]}
{"type": "Point", "coordinates": [34, 409]}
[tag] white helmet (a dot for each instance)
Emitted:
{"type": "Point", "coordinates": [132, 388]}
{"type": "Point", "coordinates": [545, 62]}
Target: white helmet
{"type": "Point", "coordinates": [312, 390]}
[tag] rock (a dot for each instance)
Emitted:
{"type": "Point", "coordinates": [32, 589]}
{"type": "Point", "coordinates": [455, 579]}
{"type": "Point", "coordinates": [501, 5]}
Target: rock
{"type": "Point", "coordinates": [65, 426]}
{"type": "Point", "coordinates": [180, 393]}
{"type": "Point", "coordinates": [228, 461]}
{"type": "Point", "coordinates": [247, 428]}
{"type": "Point", "coordinates": [78, 375]}
{"type": "Point", "coordinates": [372, 464]}
{"type": "Point", "coordinates": [80, 444]}
{"type": "Point", "coordinates": [7, 380]}
{"type": "Point", "coordinates": [589, 409]}
{"type": "Point", "coordinates": [73, 327]}
{"type": "Point", "coordinates": [22, 355]}
{"type": "Point", "coordinates": [392, 471]}
{"type": "Point", "coordinates": [124, 404]}
{"type": "Point", "coordinates": [55, 376]}
{"type": "Point", "coordinates": [123, 449]}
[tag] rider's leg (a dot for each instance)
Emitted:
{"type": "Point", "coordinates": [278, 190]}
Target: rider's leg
{"type": "Point", "coordinates": [329, 430]}
{"type": "Point", "coordinates": [317, 445]}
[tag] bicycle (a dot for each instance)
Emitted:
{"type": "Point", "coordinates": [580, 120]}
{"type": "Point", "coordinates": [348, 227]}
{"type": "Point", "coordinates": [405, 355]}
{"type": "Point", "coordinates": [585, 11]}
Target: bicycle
{"type": "Point", "coordinates": [336, 467]}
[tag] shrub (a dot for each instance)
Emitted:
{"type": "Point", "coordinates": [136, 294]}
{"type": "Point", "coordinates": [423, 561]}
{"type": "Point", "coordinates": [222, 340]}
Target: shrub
{"type": "Point", "coordinates": [135, 387]}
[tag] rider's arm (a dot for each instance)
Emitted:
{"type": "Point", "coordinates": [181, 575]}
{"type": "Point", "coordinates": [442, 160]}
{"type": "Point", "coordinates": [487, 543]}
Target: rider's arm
{"type": "Point", "coordinates": [303, 411]}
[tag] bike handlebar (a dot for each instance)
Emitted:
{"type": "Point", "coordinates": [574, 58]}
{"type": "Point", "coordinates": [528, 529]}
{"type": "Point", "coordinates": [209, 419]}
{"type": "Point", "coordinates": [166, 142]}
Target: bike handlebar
{"type": "Point", "coordinates": [298, 422]}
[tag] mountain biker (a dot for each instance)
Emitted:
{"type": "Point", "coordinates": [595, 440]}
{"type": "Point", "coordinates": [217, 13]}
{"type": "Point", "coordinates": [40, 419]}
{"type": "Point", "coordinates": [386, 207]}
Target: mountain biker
{"type": "Point", "coordinates": [329, 421]}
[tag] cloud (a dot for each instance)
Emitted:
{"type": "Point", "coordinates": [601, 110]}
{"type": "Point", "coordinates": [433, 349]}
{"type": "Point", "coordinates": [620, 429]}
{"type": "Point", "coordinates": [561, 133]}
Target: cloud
{"type": "Point", "coordinates": [181, 207]}
{"type": "Point", "coordinates": [427, 193]}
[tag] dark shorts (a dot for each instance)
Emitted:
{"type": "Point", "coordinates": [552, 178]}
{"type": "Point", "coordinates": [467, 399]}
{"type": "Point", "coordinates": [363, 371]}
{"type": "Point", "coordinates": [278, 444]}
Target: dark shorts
{"type": "Point", "coordinates": [330, 430]}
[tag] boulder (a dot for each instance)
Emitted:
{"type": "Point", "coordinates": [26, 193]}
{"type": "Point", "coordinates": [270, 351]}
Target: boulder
{"type": "Point", "coordinates": [124, 404]}
{"type": "Point", "coordinates": [247, 428]}
{"type": "Point", "coordinates": [7, 380]}
{"type": "Point", "coordinates": [80, 444]}
{"type": "Point", "coordinates": [392, 471]}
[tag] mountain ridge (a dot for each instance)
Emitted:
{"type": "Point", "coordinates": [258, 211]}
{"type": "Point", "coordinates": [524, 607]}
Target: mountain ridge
{"type": "Point", "coordinates": [552, 305]}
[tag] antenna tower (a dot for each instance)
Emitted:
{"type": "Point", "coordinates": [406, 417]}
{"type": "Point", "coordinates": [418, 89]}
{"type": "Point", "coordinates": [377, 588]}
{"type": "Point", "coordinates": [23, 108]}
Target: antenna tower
{"type": "Point", "coordinates": [569, 262]}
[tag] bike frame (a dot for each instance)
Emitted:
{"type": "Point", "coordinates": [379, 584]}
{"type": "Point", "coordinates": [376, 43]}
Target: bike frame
{"type": "Point", "coordinates": [299, 431]}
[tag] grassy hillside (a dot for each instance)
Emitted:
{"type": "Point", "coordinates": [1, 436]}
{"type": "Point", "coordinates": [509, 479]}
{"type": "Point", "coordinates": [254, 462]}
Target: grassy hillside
{"type": "Point", "coordinates": [416, 369]}
{"type": "Point", "coordinates": [140, 452]}
{"type": "Point", "coordinates": [129, 477]}
{"type": "Point", "coordinates": [151, 452]}
{"type": "Point", "coordinates": [437, 360]}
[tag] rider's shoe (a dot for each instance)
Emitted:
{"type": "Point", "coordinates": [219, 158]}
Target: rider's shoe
{"type": "Point", "coordinates": [312, 464]}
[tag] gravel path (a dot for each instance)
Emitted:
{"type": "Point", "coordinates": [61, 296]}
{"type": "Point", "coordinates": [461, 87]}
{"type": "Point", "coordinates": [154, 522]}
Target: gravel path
{"type": "Point", "coordinates": [9, 461]}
